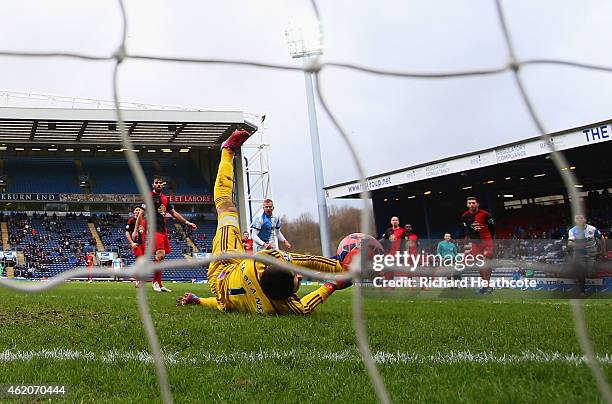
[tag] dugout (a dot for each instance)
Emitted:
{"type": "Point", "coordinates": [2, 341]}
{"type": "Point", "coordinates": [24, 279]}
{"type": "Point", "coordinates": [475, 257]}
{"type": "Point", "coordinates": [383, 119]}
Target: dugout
{"type": "Point", "coordinates": [55, 158]}
{"type": "Point", "coordinates": [506, 179]}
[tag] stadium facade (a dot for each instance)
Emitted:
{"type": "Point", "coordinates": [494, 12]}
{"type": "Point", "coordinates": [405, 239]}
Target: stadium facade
{"type": "Point", "coordinates": [80, 155]}
{"type": "Point", "coordinates": [505, 178]}
{"type": "Point", "coordinates": [66, 188]}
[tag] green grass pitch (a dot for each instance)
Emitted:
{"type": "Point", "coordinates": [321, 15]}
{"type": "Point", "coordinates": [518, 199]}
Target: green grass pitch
{"type": "Point", "coordinates": [490, 349]}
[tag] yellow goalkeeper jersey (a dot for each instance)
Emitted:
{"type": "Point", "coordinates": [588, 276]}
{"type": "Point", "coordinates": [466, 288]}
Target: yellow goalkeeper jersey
{"type": "Point", "coordinates": [238, 287]}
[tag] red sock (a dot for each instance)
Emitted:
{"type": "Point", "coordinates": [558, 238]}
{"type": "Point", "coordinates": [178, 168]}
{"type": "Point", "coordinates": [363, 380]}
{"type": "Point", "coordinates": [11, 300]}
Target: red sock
{"type": "Point", "coordinates": [157, 277]}
{"type": "Point", "coordinates": [485, 273]}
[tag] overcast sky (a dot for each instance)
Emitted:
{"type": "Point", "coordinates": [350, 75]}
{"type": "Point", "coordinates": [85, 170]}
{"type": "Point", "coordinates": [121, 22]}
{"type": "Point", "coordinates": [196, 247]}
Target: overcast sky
{"type": "Point", "coordinates": [396, 123]}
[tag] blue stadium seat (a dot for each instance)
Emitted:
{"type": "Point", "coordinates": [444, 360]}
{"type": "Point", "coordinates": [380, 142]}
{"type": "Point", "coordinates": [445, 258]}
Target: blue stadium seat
{"type": "Point", "coordinates": [108, 175]}
{"type": "Point", "coordinates": [115, 241]}
{"type": "Point", "coordinates": [112, 175]}
{"type": "Point", "coordinates": [185, 176]}
{"type": "Point", "coordinates": [104, 172]}
{"type": "Point", "coordinates": [41, 175]}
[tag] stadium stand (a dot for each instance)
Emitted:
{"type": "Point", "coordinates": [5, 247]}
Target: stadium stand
{"type": "Point", "coordinates": [534, 221]}
{"type": "Point", "coordinates": [553, 221]}
{"type": "Point", "coordinates": [104, 175]}
{"type": "Point", "coordinates": [112, 232]}
{"type": "Point", "coordinates": [183, 176]}
{"type": "Point", "coordinates": [24, 175]}
{"type": "Point", "coordinates": [52, 244]}
{"type": "Point", "coordinates": [203, 235]}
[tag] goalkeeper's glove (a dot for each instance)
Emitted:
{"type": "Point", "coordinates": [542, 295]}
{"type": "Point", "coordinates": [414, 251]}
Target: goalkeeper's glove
{"type": "Point", "coordinates": [338, 285]}
{"type": "Point", "coordinates": [337, 257]}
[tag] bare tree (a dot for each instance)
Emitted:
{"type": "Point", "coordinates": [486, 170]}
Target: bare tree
{"type": "Point", "coordinates": [303, 231]}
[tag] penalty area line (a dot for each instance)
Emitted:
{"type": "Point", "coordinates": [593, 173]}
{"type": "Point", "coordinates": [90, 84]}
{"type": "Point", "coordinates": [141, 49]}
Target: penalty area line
{"type": "Point", "coordinates": [381, 357]}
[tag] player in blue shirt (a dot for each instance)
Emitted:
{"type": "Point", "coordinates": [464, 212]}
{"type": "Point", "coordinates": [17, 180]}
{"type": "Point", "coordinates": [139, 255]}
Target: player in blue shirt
{"type": "Point", "coordinates": [582, 240]}
{"type": "Point", "coordinates": [266, 232]}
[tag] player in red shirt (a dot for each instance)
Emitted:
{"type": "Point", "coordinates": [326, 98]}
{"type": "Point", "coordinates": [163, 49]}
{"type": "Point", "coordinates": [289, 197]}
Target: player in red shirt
{"type": "Point", "coordinates": [393, 236]}
{"type": "Point", "coordinates": [480, 228]}
{"type": "Point", "coordinates": [392, 241]}
{"type": "Point", "coordinates": [90, 264]}
{"type": "Point", "coordinates": [411, 240]}
{"type": "Point", "coordinates": [162, 205]}
{"type": "Point", "coordinates": [411, 245]}
{"type": "Point", "coordinates": [247, 242]}
{"type": "Point", "coordinates": [136, 237]}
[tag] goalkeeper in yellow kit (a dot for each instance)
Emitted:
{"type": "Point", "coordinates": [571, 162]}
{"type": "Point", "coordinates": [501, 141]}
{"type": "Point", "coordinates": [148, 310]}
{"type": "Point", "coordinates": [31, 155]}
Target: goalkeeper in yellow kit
{"type": "Point", "coordinates": [247, 286]}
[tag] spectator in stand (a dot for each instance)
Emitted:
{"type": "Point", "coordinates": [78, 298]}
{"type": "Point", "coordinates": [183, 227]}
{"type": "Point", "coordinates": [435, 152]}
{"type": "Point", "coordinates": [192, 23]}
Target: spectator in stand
{"type": "Point", "coordinates": [247, 242]}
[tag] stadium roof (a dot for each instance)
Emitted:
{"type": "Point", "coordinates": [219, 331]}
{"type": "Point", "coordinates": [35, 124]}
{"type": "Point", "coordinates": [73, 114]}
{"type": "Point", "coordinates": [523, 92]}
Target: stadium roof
{"type": "Point", "coordinates": [90, 127]}
{"type": "Point", "coordinates": [564, 140]}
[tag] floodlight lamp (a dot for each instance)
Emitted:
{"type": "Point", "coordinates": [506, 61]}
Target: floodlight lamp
{"type": "Point", "coordinates": [304, 37]}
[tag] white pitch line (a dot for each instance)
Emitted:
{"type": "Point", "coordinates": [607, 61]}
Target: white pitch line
{"type": "Point", "coordinates": [381, 357]}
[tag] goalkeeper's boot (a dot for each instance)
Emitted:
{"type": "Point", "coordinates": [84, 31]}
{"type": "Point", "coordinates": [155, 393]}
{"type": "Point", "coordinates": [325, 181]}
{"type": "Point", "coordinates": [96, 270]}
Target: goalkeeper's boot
{"type": "Point", "coordinates": [236, 140]}
{"type": "Point", "coordinates": [165, 289]}
{"type": "Point", "coordinates": [188, 298]}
